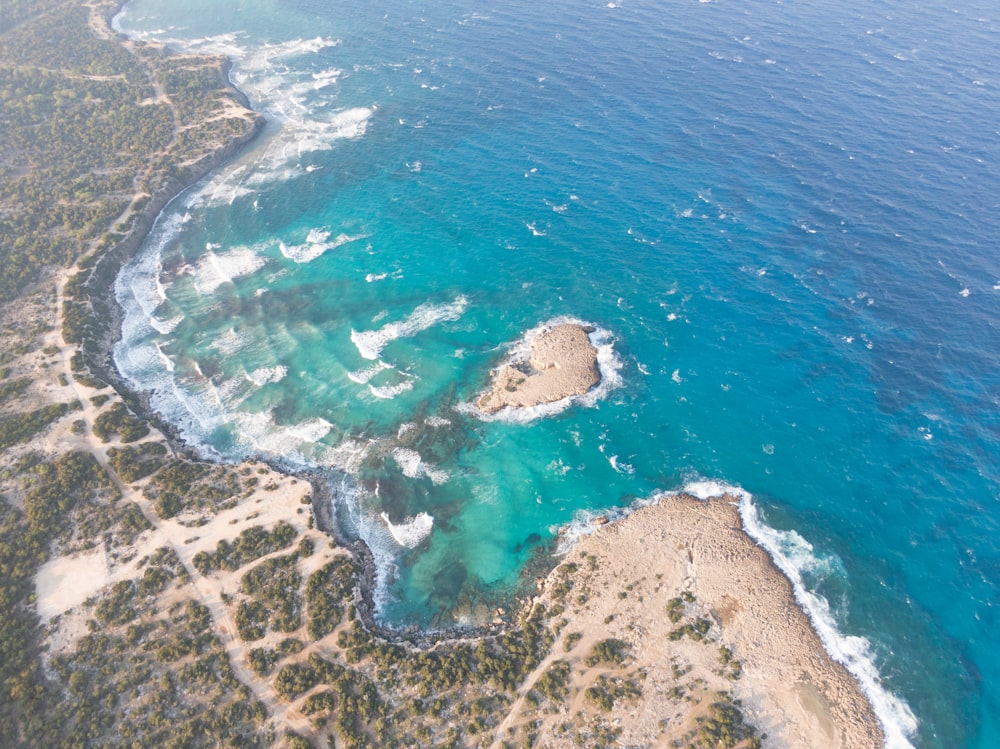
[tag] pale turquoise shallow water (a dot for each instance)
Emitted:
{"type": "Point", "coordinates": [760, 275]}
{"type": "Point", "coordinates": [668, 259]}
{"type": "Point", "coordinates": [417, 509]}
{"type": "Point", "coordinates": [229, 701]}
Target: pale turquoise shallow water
{"type": "Point", "coordinates": [782, 220]}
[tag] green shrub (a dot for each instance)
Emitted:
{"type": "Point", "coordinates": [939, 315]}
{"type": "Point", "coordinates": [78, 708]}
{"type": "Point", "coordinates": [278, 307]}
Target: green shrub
{"type": "Point", "coordinates": [21, 427]}
{"type": "Point", "coordinates": [119, 420]}
{"type": "Point", "coordinates": [252, 543]}
{"type": "Point", "coordinates": [608, 651]}
{"type": "Point", "coordinates": [327, 590]}
{"type": "Point", "coordinates": [134, 462]}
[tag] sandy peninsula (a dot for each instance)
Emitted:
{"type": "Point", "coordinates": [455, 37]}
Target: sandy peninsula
{"type": "Point", "coordinates": [681, 566]}
{"type": "Point", "coordinates": [560, 361]}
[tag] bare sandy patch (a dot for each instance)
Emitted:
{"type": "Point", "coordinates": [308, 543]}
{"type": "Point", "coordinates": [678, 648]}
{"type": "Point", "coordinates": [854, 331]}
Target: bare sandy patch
{"type": "Point", "coordinates": [631, 574]}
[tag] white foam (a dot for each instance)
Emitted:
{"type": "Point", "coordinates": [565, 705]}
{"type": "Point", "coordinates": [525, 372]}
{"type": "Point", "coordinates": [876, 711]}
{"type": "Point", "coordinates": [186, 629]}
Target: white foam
{"type": "Point", "coordinates": [583, 523]}
{"type": "Point", "coordinates": [165, 326]}
{"type": "Point", "coordinates": [231, 341]}
{"type": "Point", "coordinates": [363, 376]}
{"type": "Point", "coordinates": [371, 277]}
{"type": "Point", "coordinates": [388, 392]}
{"type": "Point", "coordinates": [267, 375]}
{"type": "Point", "coordinates": [370, 343]}
{"type": "Point", "coordinates": [373, 530]}
{"type": "Point", "coordinates": [142, 283]}
{"type": "Point", "coordinates": [311, 430]}
{"type": "Point", "coordinates": [326, 78]}
{"type": "Point", "coordinates": [302, 46]}
{"type": "Point", "coordinates": [413, 466]}
{"type": "Point", "coordinates": [608, 364]}
{"type": "Point", "coordinates": [408, 461]}
{"type": "Point", "coordinates": [437, 476]}
{"type": "Point", "coordinates": [437, 421]}
{"type": "Point", "coordinates": [412, 531]}
{"type": "Point", "coordinates": [164, 359]}
{"type": "Point", "coordinates": [348, 456]}
{"type": "Point", "coordinates": [222, 189]}
{"type": "Point", "coordinates": [259, 432]}
{"type": "Point", "coordinates": [317, 242]}
{"type": "Point", "coordinates": [185, 398]}
{"type": "Point", "coordinates": [625, 469]}
{"type": "Point", "coordinates": [214, 270]}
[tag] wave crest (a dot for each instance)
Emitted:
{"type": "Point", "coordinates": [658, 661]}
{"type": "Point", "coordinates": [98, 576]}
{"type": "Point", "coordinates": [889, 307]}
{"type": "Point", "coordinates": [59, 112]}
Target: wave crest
{"type": "Point", "coordinates": [370, 343]}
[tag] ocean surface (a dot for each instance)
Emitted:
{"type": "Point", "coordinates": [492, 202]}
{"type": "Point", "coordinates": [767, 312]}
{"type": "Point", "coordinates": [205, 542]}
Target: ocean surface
{"type": "Point", "coordinates": [781, 218]}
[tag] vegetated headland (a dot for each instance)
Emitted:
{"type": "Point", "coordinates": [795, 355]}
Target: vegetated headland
{"type": "Point", "coordinates": [149, 597]}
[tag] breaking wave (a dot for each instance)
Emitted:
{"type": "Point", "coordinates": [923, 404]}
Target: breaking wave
{"type": "Point", "coordinates": [370, 343]}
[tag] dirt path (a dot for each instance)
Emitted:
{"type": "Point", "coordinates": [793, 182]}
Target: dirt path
{"type": "Point", "coordinates": [281, 504]}
{"type": "Point", "coordinates": [511, 718]}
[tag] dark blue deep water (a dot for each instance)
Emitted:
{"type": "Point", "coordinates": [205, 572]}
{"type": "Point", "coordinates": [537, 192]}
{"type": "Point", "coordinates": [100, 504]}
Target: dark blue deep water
{"type": "Point", "coordinates": [781, 217]}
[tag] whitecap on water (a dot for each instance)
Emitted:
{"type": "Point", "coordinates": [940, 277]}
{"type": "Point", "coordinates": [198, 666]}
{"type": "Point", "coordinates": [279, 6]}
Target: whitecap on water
{"type": "Point", "coordinates": [260, 432]}
{"type": "Point", "coordinates": [166, 326]}
{"type": "Point", "coordinates": [413, 466]}
{"type": "Point", "coordinates": [311, 430]}
{"type": "Point", "coordinates": [388, 392]}
{"type": "Point", "coordinates": [317, 242]}
{"type": "Point", "coordinates": [267, 375]}
{"type": "Point", "coordinates": [625, 469]}
{"type": "Point", "coordinates": [412, 531]}
{"type": "Point", "coordinates": [370, 343]}
{"type": "Point", "coordinates": [347, 456]}
{"type": "Point", "coordinates": [363, 376]}
{"type": "Point", "coordinates": [215, 269]}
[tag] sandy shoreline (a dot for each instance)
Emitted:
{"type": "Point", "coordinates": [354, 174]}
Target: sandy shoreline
{"type": "Point", "coordinates": [790, 688]}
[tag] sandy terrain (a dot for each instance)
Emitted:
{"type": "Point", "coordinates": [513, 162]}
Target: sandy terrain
{"type": "Point", "coordinates": [628, 573]}
{"type": "Point", "coordinates": [562, 362]}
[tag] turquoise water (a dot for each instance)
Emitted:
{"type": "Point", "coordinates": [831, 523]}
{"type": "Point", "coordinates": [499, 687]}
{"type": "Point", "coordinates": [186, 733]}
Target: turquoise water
{"type": "Point", "coordinates": [781, 220]}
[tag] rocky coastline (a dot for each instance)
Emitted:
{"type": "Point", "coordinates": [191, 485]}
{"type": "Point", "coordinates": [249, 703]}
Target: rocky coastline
{"type": "Point", "coordinates": [560, 362]}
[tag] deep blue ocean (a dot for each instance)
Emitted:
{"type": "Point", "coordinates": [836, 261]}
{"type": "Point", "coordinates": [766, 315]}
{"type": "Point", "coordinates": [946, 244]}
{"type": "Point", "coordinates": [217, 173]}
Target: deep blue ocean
{"type": "Point", "coordinates": [781, 218]}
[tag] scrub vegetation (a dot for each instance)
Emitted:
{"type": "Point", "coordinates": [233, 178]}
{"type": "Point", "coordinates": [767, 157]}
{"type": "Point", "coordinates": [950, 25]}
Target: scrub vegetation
{"type": "Point", "coordinates": [96, 134]}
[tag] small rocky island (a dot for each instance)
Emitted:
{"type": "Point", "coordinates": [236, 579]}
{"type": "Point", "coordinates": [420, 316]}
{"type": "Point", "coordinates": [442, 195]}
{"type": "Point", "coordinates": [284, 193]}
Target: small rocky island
{"type": "Point", "coordinates": [558, 362]}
